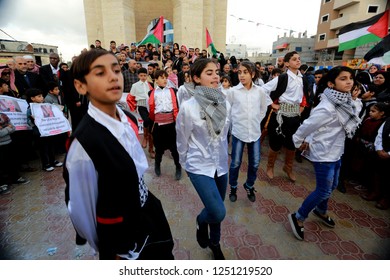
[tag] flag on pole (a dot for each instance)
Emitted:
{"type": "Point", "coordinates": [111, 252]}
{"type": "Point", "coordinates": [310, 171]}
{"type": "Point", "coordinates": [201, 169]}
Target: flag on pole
{"type": "Point", "coordinates": [156, 34]}
{"type": "Point", "coordinates": [209, 42]}
{"type": "Point", "coordinates": [380, 54]}
{"type": "Point", "coordinates": [363, 32]}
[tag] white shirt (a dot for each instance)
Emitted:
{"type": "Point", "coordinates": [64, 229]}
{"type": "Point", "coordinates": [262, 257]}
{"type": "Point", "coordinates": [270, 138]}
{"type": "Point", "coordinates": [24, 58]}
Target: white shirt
{"type": "Point", "coordinates": [248, 110]}
{"type": "Point", "coordinates": [200, 153]}
{"type": "Point", "coordinates": [83, 176]}
{"type": "Point", "coordinates": [324, 133]}
{"type": "Point", "coordinates": [140, 90]}
{"type": "Point", "coordinates": [162, 100]}
{"type": "Point", "coordinates": [294, 90]}
{"type": "Point", "coordinates": [378, 140]}
{"type": "Point", "coordinates": [183, 94]}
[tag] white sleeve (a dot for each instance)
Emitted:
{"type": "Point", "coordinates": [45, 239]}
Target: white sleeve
{"type": "Point", "coordinates": [83, 192]}
{"type": "Point", "coordinates": [378, 139]}
{"type": "Point", "coordinates": [270, 86]}
{"type": "Point", "coordinates": [183, 132]}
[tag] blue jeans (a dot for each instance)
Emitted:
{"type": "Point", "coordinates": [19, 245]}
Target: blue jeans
{"type": "Point", "coordinates": [327, 177]}
{"type": "Point", "coordinates": [212, 193]}
{"type": "Point", "coordinates": [253, 161]}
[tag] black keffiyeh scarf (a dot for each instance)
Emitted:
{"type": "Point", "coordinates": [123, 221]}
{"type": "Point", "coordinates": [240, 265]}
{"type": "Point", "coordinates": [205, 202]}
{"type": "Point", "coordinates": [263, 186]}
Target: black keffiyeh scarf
{"type": "Point", "coordinates": [213, 108]}
{"type": "Point", "coordinates": [345, 110]}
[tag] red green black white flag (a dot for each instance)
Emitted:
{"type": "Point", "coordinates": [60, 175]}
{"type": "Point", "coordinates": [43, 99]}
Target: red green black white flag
{"type": "Point", "coordinates": [155, 35]}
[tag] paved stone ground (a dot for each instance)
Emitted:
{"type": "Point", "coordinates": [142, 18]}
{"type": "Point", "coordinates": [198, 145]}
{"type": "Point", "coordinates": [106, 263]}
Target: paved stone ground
{"type": "Point", "coordinates": [34, 223]}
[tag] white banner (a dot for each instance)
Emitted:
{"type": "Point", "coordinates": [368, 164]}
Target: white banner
{"type": "Point", "coordinates": [49, 119]}
{"type": "Point", "coordinates": [16, 110]}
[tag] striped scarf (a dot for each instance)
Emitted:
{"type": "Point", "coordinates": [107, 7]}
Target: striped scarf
{"type": "Point", "coordinates": [213, 108]}
{"type": "Point", "coordinates": [345, 110]}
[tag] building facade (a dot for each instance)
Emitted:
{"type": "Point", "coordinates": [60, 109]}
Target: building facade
{"type": "Point", "coordinates": [335, 14]}
{"type": "Point", "coordinates": [127, 21]}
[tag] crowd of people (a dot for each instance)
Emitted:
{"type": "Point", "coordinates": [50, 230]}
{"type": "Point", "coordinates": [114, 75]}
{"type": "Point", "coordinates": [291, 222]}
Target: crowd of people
{"type": "Point", "coordinates": [194, 105]}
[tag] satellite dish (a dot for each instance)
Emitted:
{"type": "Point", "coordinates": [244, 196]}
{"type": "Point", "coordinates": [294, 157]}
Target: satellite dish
{"type": "Point", "coordinates": [232, 39]}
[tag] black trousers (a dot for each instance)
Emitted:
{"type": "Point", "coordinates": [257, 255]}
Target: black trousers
{"type": "Point", "coordinates": [164, 137]}
{"type": "Point", "coordinates": [289, 127]}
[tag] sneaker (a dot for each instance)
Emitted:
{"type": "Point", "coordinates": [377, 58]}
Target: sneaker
{"type": "Point", "coordinates": [326, 220]}
{"type": "Point", "coordinates": [4, 189]}
{"type": "Point", "coordinates": [202, 233]}
{"type": "Point", "coordinates": [21, 181]}
{"type": "Point", "coordinates": [48, 168]}
{"type": "Point", "coordinates": [360, 188]}
{"type": "Point", "coordinates": [233, 194]}
{"type": "Point", "coordinates": [250, 193]}
{"type": "Point", "coordinates": [57, 163]}
{"type": "Point", "coordinates": [297, 229]}
{"type": "Point", "coordinates": [216, 249]}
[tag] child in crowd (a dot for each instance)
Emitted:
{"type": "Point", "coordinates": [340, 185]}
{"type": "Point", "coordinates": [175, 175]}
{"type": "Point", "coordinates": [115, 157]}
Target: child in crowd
{"type": "Point", "coordinates": [368, 97]}
{"type": "Point", "coordinates": [46, 145]}
{"type": "Point", "coordinates": [226, 84]}
{"type": "Point", "coordinates": [322, 138]}
{"type": "Point", "coordinates": [140, 90]}
{"type": "Point", "coordinates": [172, 78]}
{"type": "Point", "coordinates": [107, 199]}
{"type": "Point", "coordinates": [164, 107]}
{"type": "Point", "coordinates": [249, 105]}
{"type": "Point", "coordinates": [186, 91]}
{"type": "Point", "coordinates": [382, 147]}
{"type": "Point", "coordinates": [8, 165]}
{"type": "Point", "coordinates": [364, 155]}
{"type": "Point", "coordinates": [202, 125]}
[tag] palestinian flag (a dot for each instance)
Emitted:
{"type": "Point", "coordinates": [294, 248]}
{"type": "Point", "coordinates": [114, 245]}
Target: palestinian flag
{"type": "Point", "coordinates": [363, 32]}
{"type": "Point", "coordinates": [209, 42]}
{"type": "Point", "coordinates": [380, 54]}
{"type": "Point", "coordinates": [155, 35]}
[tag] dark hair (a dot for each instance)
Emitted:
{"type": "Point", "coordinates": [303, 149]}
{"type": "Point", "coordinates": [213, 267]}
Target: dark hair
{"type": "Point", "coordinates": [160, 73]}
{"type": "Point", "coordinates": [288, 56]}
{"type": "Point", "coordinates": [111, 42]}
{"type": "Point", "coordinates": [152, 65]}
{"type": "Point", "coordinates": [97, 40]}
{"type": "Point", "coordinates": [198, 67]}
{"type": "Point", "coordinates": [2, 82]}
{"type": "Point", "coordinates": [382, 107]}
{"type": "Point", "coordinates": [250, 66]}
{"type": "Point", "coordinates": [81, 65]}
{"type": "Point", "coordinates": [276, 71]}
{"type": "Point", "coordinates": [142, 70]}
{"type": "Point", "coordinates": [226, 77]}
{"type": "Point", "coordinates": [331, 77]}
{"type": "Point", "coordinates": [373, 88]}
{"type": "Point", "coordinates": [319, 72]}
{"type": "Point", "coordinates": [63, 63]}
{"type": "Point", "coordinates": [51, 85]}
{"type": "Point", "coordinates": [32, 92]}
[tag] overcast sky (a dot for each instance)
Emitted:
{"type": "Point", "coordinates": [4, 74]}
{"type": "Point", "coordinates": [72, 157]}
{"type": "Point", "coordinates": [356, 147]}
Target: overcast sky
{"type": "Point", "coordinates": [62, 23]}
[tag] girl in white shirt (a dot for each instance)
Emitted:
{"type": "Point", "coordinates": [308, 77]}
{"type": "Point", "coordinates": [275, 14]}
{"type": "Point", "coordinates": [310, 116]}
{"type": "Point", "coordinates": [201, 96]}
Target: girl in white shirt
{"type": "Point", "coordinates": [249, 106]}
{"type": "Point", "coordinates": [322, 137]}
{"type": "Point", "coordinates": [201, 126]}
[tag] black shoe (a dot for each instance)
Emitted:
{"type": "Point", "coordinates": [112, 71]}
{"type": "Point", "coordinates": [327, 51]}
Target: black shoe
{"type": "Point", "coordinates": [297, 229]}
{"type": "Point", "coordinates": [157, 169]}
{"type": "Point", "coordinates": [4, 189]}
{"type": "Point", "coordinates": [216, 249]}
{"type": "Point", "coordinates": [250, 193]}
{"type": "Point", "coordinates": [298, 156]}
{"type": "Point", "coordinates": [326, 220]}
{"type": "Point", "coordinates": [80, 240]}
{"type": "Point", "coordinates": [21, 181]}
{"type": "Point", "coordinates": [233, 194]}
{"type": "Point", "coordinates": [178, 173]}
{"type": "Point", "coordinates": [202, 233]}
{"type": "Point", "coordinates": [341, 187]}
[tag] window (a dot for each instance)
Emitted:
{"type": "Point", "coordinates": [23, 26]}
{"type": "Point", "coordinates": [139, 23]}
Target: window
{"type": "Point", "coordinates": [298, 49]}
{"type": "Point", "coordinates": [325, 18]}
{"type": "Point", "coordinates": [372, 9]}
{"type": "Point", "coordinates": [322, 37]}
{"type": "Point", "coordinates": [326, 1]}
{"type": "Point", "coordinates": [341, 15]}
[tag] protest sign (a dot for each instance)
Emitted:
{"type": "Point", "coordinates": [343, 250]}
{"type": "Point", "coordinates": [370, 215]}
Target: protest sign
{"type": "Point", "coordinates": [16, 110]}
{"type": "Point", "coordinates": [49, 119]}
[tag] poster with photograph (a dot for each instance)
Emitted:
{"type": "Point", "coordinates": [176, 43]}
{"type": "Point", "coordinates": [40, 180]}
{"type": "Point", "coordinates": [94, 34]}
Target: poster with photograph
{"type": "Point", "coordinates": [49, 119]}
{"type": "Point", "coordinates": [16, 110]}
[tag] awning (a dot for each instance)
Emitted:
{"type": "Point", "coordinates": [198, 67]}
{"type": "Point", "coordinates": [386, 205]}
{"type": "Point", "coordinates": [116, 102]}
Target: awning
{"type": "Point", "coordinates": [282, 46]}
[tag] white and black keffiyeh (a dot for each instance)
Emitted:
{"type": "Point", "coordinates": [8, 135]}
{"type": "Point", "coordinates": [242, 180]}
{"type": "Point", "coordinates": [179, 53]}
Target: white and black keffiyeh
{"type": "Point", "coordinates": [213, 108]}
{"type": "Point", "coordinates": [345, 110]}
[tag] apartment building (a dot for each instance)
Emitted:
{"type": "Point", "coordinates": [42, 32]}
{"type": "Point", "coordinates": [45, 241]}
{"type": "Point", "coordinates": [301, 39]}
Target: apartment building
{"type": "Point", "coordinates": [335, 14]}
